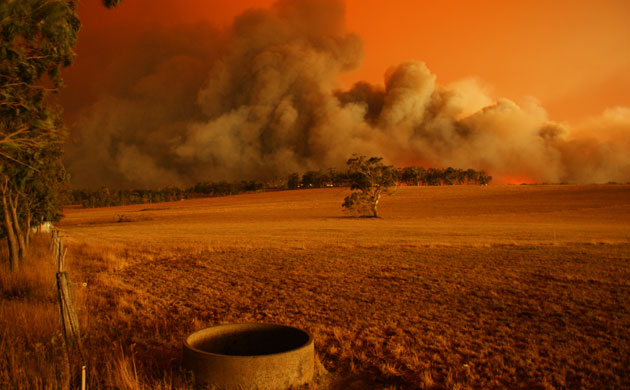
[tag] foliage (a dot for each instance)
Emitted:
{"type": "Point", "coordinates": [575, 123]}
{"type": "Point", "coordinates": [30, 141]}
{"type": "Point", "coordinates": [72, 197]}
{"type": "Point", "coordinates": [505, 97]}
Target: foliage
{"type": "Point", "coordinates": [37, 41]}
{"type": "Point", "coordinates": [311, 179]}
{"type": "Point", "coordinates": [370, 179]}
{"type": "Point", "coordinates": [293, 181]}
{"type": "Point", "coordinates": [38, 37]}
{"type": "Point", "coordinates": [435, 176]}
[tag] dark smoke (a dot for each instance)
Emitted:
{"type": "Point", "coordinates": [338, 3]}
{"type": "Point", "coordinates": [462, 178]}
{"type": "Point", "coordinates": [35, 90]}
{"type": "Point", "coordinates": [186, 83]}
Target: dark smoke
{"type": "Point", "coordinates": [261, 100]}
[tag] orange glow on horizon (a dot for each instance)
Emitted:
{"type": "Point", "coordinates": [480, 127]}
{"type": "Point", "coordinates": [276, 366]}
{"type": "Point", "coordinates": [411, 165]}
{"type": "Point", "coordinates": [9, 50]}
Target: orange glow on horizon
{"type": "Point", "coordinates": [513, 180]}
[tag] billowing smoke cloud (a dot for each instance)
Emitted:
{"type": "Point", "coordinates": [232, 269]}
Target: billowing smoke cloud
{"type": "Point", "coordinates": [261, 100]}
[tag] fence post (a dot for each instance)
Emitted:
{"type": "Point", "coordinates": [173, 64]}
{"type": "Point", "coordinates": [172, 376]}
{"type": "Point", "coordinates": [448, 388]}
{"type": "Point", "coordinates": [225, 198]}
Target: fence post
{"type": "Point", "coordinates": [67, 312]}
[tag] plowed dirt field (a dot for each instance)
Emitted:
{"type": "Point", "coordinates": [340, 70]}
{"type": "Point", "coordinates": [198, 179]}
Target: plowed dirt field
{"type": "Point", "coordinates": [463, 287]}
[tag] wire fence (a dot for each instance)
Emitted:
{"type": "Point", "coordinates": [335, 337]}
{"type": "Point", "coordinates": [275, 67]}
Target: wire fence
{"type": "Point", "coordinates": [68, 317]}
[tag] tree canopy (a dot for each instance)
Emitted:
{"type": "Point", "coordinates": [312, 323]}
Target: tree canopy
{"type": "Point", "coordinates": [38, 37]}
{"type": "Point", "coordinates": [37, 41]}
{"type": "Point", "coordinates": [370, 179]}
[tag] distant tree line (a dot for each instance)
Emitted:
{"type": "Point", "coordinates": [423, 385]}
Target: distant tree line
{"type": "Point", "coordinates": [105, 197]}
{"type": "Point", "coordinates": [436, 177]}
{"type": "Point", "coordinates": [417, 176]}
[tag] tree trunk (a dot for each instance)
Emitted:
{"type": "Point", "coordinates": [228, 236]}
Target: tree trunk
{"type": "Point", "coordinates": [377, 197]}
{"type": "Point", "coordinates": [27, 228]}
{"type": "Point", "coordinates": [16, 227]}
{"type": "Point", "coordinates": [14, 259]}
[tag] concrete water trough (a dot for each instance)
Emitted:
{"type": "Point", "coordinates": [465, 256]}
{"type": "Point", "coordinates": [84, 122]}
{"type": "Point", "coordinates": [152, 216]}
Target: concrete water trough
{"type": "Point", "coordinates": [250, 357]}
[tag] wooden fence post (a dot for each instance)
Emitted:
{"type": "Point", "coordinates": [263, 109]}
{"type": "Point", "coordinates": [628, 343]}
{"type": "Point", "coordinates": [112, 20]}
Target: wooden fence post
{"type": "Point", "coordinates": [67, 312]}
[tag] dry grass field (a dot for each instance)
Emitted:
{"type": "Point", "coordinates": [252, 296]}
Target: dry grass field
{"type": "Point", "coordinates": [463, 287]}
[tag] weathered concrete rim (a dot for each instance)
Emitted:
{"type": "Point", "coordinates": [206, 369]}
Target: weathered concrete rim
{"type": "Point", "coordinates": [251, 325]}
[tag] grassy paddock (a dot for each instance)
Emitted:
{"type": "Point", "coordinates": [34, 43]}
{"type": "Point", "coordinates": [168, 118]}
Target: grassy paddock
{"type": "Point", "coordinates": [32, 353]}
{"type": "Point", "coordinates": [459, 287]}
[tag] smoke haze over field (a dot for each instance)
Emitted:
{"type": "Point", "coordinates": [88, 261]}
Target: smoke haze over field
{"type": "Point", "coordinates": [261, 99]}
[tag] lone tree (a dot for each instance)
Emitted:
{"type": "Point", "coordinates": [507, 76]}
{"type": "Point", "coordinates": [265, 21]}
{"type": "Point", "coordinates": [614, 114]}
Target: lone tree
{"type": "Point", "coordinates": [370, 179]}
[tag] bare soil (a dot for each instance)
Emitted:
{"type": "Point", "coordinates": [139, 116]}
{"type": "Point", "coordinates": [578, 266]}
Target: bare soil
{"type": "Point", "coordinates": [463, 287]}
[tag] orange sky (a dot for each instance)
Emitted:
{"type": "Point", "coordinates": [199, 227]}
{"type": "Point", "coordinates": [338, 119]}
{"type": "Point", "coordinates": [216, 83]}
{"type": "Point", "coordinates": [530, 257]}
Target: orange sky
{"type": "Point", "coordinates": [571, 55]}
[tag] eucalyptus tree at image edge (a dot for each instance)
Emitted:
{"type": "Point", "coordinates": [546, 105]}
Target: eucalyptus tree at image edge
{"type": "Point", "coordinates": [38, 37]}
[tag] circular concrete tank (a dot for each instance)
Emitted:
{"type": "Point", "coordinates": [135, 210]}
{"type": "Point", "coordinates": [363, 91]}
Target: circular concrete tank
{"type": "Point", "coordinates": [250, 356]}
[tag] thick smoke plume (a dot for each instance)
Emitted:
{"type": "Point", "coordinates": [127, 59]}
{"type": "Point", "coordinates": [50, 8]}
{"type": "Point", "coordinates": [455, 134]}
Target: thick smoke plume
{"type": "Point", "coordinates": [261, 100]}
